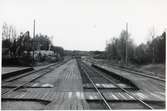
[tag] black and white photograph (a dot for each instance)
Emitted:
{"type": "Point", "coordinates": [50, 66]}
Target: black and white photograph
{"type": "Point", "coordinates": [83, 54]}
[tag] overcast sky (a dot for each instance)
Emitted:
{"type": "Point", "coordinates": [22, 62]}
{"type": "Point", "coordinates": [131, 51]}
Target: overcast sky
{"type": "Point", "coordinates": [86, 24]}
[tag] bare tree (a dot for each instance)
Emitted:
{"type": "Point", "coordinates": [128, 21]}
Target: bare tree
{"type": "Point", "coordinates": [8, 37]}
{"type": "Point", "coordinates": [5, 33]}
{"type": "Point", "coordinates": [8, 32]}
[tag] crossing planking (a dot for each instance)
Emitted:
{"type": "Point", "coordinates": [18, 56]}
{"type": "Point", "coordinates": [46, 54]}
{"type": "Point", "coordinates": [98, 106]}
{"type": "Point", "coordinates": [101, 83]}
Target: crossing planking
{"type": "Point", "coordinates": [125, 96]}
{"type": "Point", "coordinates": [106, 85]}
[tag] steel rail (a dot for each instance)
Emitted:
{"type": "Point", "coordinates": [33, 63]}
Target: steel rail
{"type": "Point", "coordinates": [101, 95]}
{"type": "Point", "coordinates": [25, 83]}
{"type": "Point", "coordinates": [20, 86]}
{"type": "Point", "coordinates": [129, 93]}
{"type": "Point", "coordinates": [141, 73]}
{"type": "Point", "coordinates": [32, 72]}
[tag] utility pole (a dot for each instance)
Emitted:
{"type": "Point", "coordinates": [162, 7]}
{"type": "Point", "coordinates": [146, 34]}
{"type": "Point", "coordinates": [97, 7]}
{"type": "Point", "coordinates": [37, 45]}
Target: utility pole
{"type": "Point", "coordinates": [153, 59]}
{"type": "Point", "coordinates": [33, 39]}
{"type": "Point", "coordinates": [126, 55]}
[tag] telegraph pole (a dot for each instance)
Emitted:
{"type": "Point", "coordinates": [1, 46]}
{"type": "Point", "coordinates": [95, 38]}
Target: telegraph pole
{"type": "Point", "coordinates": [126, 55]}
{"type": "Point", "coordinates": [153, 59]}
{"type": "Point", "coordinates": [33, 40]}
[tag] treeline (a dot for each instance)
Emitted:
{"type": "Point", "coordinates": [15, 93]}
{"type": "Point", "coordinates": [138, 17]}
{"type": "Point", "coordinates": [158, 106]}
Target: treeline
{"type": "Point", "coordinates": [23, 46]}
{"type": "Point", "coordinates": [151, 52]}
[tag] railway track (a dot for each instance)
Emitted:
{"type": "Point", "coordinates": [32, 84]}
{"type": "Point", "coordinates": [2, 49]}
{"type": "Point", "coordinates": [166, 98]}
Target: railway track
{"type": "Point", "coordinates": [161, 81]}
{"type": "Point", "coordinates": [20, 88]}
{"type": "Point", "coordinates": [150, 75]}
{"type": "Point", "coordinates": [132, 71]}
{"type": "Point", "coordinates": [88, 71]}
{"type": "Point", "coordinates": [135, 71]}
{"type": "Point", "coordinates": [27, 78]}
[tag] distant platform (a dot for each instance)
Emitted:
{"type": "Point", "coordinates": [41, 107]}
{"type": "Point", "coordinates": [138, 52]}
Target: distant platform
{"type": "Point", "coordinates": [6, 70]}
{"type": "Point", "coordinates": [12, 71]}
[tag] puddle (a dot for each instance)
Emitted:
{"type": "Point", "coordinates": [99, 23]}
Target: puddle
{"type": "Point", "coordinates": [36, 85]}
{"type": "Point", "coordinates": [43, 85]}
{"type": "Point", "coordinates": [47, 85]}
